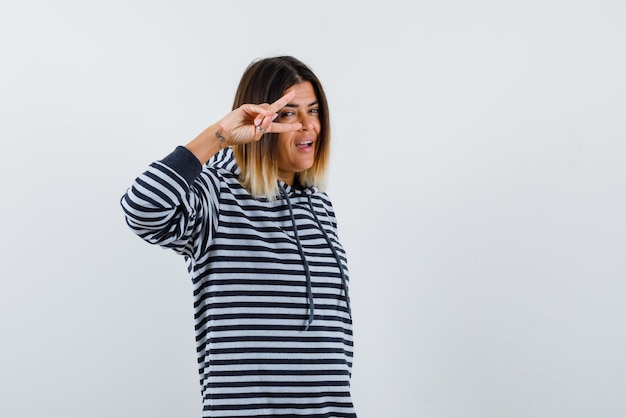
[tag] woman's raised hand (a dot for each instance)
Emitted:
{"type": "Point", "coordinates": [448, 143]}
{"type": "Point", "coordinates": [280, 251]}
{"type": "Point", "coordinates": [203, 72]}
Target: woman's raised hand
{"type": "Point", "coordinates": [245, 124]}
{"type": "Point", "coordinates": [249, 122]}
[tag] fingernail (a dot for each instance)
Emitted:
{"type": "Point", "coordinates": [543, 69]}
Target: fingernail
{"type": "Point", "coordinates": [275, 116]}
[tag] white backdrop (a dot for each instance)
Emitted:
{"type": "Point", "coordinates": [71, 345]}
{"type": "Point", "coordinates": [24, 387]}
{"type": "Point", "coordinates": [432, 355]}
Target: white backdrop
{"type": "Point", "coordinates": [478, 176]}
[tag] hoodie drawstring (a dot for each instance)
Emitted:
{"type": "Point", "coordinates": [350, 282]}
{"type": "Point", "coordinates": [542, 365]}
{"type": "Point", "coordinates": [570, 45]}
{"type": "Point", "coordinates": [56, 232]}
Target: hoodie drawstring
{"type": "Point", "coordinates": [344, 282]}
{"type": "Point", "coordinates": [307, 271]}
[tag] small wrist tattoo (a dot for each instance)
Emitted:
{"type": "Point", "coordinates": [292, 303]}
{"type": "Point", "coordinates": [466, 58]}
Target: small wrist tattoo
{"type": "Point", "coordinates": [220, 138]}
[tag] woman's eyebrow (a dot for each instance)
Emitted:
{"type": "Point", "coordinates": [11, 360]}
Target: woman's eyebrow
{"type": "Point", "coordinates": [295, 105]}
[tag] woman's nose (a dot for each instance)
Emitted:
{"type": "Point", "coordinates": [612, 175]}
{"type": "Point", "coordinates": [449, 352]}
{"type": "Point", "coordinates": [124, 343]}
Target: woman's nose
{"type": "Point", "coordinates": [307, 122]}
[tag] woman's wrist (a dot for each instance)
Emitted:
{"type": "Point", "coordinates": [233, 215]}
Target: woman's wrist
{"type": "Point", "coordinates": [208, 143]}
{"type": "Point", "coordinates": [222, 136]}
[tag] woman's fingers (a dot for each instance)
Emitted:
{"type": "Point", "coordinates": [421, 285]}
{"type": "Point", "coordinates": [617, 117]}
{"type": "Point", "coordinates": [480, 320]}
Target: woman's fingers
{"type": "Point", "coordinates": [267, 124]}
{"type": "Point", "coordinates": [284, 127]}
{"type": "Point", "coordinates": [264, 121]}
{"type": "Point", "coordinates": [280, 103]}
{"type": "Point", "coordinates": [265, 110]}
{"type": "Point", "coordinates": [263, 116]}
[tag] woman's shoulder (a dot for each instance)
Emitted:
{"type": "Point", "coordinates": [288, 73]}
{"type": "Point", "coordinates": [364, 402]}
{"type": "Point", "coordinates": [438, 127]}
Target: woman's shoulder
{"type": "Point", "coordinates": [222, 167]}
{"type": "Point", "coordinates": [224, 161]}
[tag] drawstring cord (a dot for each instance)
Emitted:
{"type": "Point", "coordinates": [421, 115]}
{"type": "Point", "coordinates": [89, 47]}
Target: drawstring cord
{"type": "Point", "coordinates": [344, 283]}
{"type": "Point", "coordinates": [307, 271]}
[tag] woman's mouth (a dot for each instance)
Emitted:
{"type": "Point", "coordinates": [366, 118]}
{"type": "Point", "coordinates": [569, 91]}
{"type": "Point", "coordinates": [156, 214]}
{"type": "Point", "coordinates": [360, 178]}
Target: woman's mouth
{"type": "Point", "coordinates": [304, 144]}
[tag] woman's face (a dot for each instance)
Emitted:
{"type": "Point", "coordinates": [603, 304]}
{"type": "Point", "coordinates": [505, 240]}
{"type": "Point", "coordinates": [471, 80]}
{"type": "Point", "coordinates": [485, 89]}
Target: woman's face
{"type": "Point", "coordinates": [296, 149]}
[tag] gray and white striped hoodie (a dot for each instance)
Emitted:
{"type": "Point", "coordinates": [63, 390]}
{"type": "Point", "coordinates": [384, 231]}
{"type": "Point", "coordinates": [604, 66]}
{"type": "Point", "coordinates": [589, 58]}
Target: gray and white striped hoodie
{"type": "Point", "coordinates": [270, 286]}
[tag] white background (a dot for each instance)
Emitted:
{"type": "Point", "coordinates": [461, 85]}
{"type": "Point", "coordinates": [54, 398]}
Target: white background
{"type": "Point", "coordinates": [478, 176]}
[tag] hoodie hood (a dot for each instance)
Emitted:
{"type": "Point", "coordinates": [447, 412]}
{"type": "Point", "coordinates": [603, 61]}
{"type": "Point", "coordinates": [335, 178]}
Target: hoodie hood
{"type": "Point", "coordinates": [225, 160]}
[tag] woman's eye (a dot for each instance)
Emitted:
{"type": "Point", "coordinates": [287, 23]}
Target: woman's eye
{"type": "Point", "coordinates": [315, 111]}
{"type": "Point", "coordinates": [287, 114]}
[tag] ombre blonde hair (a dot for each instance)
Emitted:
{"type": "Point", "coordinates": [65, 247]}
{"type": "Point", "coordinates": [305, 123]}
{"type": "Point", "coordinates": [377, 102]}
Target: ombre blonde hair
{"type": "Point", "coordinates": [265, 81]}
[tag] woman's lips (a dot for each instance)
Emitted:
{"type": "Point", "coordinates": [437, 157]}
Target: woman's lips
{"type": "Point", "coordinates": [304, 145]}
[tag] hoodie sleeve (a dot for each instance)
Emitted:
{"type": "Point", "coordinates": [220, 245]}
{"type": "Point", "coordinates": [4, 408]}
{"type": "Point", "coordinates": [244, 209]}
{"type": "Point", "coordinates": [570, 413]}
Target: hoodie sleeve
{"type": "Point", "coordinates": [171, 205]}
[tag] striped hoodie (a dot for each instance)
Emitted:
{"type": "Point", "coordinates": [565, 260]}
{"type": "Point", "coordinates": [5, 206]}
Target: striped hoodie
{"type": "Point", "coordinates": [270, 286]}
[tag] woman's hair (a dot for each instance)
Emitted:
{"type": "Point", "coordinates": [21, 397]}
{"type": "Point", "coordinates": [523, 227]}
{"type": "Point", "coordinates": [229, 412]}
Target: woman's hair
{"type": "Point", "coordinates": [265, 81]}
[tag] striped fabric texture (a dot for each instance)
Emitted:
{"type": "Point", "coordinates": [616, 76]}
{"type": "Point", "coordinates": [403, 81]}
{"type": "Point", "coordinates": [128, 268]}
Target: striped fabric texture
{"type": "Point", "coordinates": [271, 307]}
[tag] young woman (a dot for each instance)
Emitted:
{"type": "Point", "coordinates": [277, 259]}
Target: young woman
{"type": "Point", "coordinates": [243, 202]}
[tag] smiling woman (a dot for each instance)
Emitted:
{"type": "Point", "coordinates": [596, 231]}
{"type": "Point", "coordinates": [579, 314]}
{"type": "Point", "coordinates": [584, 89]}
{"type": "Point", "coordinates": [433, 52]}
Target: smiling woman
{"type": "Point", "coordinates": [283, 153]}
{"type": "Point", "coordinates": [296, 152]}
{"type": "Point", "coordinates": [244, 204]}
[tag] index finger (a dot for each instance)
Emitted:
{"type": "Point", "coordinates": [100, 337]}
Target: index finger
{"type": "Point", "coordinates": [278, 104]}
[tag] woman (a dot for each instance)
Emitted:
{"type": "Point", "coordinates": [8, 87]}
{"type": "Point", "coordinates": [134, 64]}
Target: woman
{"type": "Point", "coordinates": [242, 202]}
